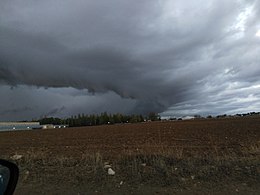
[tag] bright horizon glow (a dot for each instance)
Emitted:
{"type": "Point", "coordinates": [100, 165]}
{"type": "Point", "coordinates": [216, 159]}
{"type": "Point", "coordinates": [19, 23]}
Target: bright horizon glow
{"type": "Point", "coordinates": [258, 33]}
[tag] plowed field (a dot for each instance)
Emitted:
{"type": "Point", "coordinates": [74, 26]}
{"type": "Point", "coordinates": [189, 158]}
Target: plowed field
{"type": "Point", "coordinates": [213, 156]}
{"type": "Point", "coordinates": [150, 136]}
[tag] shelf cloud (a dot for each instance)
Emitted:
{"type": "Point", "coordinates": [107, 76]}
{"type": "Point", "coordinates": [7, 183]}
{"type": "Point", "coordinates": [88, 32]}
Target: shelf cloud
{"type": "Point", "coordinates": [170, 57]}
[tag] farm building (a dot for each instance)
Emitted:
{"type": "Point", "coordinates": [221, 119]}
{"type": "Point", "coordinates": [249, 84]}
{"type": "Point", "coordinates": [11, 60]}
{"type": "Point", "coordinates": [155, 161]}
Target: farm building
{"type": "Point", "coordinates": [48, 126]}
{"type": "Point", "coordinates": [51, 126]}
{"type": "Point", "coordinates": [6, 126]}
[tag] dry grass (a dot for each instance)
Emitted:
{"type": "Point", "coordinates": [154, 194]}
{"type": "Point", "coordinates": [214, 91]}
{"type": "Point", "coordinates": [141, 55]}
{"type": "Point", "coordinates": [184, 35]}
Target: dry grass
{"type": "Point", "coordinates": [173, 167]}
{"type": "Point", "coordinates": [192, 155]}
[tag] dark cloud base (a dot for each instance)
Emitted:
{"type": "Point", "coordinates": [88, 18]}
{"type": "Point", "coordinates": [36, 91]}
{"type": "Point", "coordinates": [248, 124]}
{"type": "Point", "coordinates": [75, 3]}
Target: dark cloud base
{"type": "Point", "coordinates": [170, 57]}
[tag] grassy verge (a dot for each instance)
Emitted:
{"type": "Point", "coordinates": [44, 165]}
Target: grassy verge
{"type": "Point", "coordinates": [175, 168]}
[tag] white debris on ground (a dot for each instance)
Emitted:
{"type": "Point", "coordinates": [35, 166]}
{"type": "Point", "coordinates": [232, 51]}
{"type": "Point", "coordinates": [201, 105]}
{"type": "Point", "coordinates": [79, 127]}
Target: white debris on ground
{"type": "Point", "coordinates": [16, 157]}
{"type": "Point", "coordinates": [120, 184]}
{"type": "Point", "coordinates": [107, 166]}
{"type": "Point", "coordinates": [106, 163]}
{"type": "Point", "coordinates": [111, 171]}
{"type": "Point", "coordinates": [26, 175]}
{"type": "Point", "coordinates": [143, 164]}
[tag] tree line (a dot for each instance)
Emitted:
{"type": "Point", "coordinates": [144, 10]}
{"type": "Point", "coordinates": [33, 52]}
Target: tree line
{"type": "Point", "coordinates": [99, 119]}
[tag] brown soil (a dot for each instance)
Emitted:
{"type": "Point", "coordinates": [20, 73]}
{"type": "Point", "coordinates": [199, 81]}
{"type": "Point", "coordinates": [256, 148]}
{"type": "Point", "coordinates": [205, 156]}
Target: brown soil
{"type": "Point", "coordinates": [116, 139]}
{"type": "Point", "coordinates": [186, 139]}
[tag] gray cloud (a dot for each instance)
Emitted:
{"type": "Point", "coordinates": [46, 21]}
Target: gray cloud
{"type": "Point", "coordinates": [146, 56]}
{"type": "Point", "coordinates": [15, 110]}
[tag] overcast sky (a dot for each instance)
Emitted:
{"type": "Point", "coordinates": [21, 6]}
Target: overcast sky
{"type": "Point", "coordinates": [174, 57]}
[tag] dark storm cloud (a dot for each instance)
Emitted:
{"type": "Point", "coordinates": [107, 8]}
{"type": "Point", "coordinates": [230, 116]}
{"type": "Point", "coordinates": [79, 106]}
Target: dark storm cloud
{"type": "Point", "coordinates": [154, 54]}
{"type": "Point", "coordinates": [55, 111]}
{"type": "Point", "coordinates": [15, 110]}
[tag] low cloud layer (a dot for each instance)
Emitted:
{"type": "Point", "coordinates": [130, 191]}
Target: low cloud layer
{"type": "Point", "coordinates": [66, 57]}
